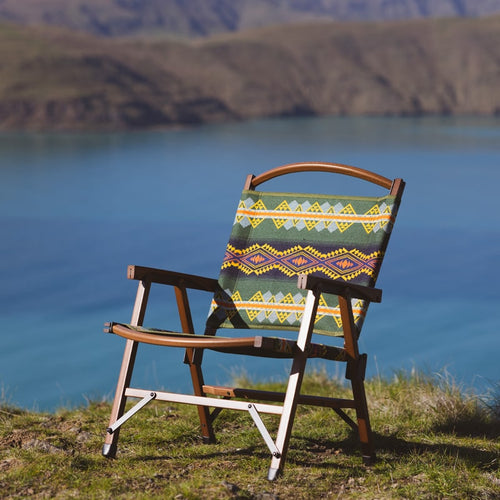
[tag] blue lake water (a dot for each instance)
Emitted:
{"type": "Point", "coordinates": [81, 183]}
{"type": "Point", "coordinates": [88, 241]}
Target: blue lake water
{"type": "Point", "coordinates": [75, 209]}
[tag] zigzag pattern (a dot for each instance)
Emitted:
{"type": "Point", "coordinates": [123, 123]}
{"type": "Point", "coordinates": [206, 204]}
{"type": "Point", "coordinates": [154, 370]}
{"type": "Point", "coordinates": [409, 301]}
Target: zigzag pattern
{"type": "Point", "coordinates": [279, 308]}
{"type": "Point", "coordinates": [314, 216]}
{"type": "Point", "coordinates": [341, 263]}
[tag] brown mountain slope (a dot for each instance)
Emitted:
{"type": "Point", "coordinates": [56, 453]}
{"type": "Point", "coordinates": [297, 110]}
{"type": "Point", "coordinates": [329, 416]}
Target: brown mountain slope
{"type": "Point", "coordinates": [53, 79]}
{"type": "Point", "coordinates": [205, 17]}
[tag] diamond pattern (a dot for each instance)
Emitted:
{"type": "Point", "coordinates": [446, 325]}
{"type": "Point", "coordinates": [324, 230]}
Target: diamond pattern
{"type": "Point", "coordinates": [341, 263]}
{"type": "Point", "coordinates": [313, 216]}
{"type": "Point", "coordinates": [283, 309]}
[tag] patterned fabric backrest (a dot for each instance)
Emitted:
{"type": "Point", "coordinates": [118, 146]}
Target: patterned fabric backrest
{"type": "Point", "coordinates": [277, 236]}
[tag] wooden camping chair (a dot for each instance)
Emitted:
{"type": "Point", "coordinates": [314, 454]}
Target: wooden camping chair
{"type": "Point", "coordinates": [300, 262]}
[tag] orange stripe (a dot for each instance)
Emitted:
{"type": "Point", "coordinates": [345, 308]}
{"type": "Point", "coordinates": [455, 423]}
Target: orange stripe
{"type": "Point", "coordinates": [334, 311]}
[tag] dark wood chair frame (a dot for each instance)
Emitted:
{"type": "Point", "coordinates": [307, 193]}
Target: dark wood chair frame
{"type": "Point", "coordinates": [254, 401]}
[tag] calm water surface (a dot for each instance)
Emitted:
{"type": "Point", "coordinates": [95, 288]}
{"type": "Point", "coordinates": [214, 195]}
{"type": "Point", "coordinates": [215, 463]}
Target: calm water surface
{"type": "Point", "coordinates": [75, 209]}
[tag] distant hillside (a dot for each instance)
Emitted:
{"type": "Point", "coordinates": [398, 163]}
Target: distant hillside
{"type": "Point", "coordinates": [55, 79]}
{"type": "Point", "coordinates": [205, 17]}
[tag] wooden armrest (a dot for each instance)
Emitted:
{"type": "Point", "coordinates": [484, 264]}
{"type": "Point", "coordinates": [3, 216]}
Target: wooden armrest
{"type": "Point", "coordinates": [172, 278]}
{"type": "Point", "coordinates": [337, 287]}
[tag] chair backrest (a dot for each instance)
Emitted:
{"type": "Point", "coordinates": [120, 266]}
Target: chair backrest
{"type": "Point", "coordinates": [277, 236]}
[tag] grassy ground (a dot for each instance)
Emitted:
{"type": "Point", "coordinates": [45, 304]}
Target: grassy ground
{"type": "Point", "coordinates": [432, 442]}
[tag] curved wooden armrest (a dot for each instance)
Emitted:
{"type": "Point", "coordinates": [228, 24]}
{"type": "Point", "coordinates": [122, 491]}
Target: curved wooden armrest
{"type": "Point", "coordinates": [178, 339]}
{"type": "Point", "coordinates": [336, 287]}
{"type": "Point", "coordinates": [173, 278]}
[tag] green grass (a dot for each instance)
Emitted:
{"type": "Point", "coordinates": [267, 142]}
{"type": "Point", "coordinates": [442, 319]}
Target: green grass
{"type": "Point", "coordinates": [433, 441]}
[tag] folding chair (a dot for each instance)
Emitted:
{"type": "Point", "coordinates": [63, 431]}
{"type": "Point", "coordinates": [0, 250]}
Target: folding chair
{"type": "Point", "coordinates": [300, 262]}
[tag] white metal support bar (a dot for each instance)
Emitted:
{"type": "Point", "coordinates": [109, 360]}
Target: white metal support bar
{"type": "Point", "coordinates": [141, 404]}
{"type": "Point", "coordinates": [128, 361]}
{"type": "Point", "coordinates": [204, 401]}
{"type": "Point", "coordinates": [263, 430]}
{"type": "Point", "coordinates": [294, 383]}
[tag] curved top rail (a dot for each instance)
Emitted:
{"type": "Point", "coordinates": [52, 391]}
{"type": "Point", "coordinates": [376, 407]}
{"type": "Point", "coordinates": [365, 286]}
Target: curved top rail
{"type": "Point", "coordinates": [337, 168]}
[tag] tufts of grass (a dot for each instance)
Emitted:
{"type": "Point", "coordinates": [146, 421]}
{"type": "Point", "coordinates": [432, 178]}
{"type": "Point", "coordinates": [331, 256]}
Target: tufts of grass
{"type": "Point", "coordinates": [433, 440]}
{"type": "Point", "coordinates": [492, 400]}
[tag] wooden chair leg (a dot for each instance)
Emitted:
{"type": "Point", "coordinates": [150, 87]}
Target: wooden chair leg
{"type": "Point", "coordinates": [355, 372]}
{"type": "Point", "coordinates": [356, 375]}
{"type": "Point", "coordinates": [207, 432]}
{"type": "Point", "coordinates": [129, 355]}
{"type": "Point", "coordinates": [111, 441]}
{"type": "Point", "coordinates": [364, 427]}
{"type": "Point", "coordinates": [194, 358]}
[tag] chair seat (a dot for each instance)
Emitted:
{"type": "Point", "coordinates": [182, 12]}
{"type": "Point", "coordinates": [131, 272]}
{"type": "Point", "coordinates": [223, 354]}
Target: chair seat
{"type": "Point", "coordinates": [272, 347]}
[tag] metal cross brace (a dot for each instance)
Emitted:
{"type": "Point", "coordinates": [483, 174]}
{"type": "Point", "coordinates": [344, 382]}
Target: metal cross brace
{"type": "Point", "coordinates": [141, 404]}
{"type": "Point", "coordinates": [263, 431]}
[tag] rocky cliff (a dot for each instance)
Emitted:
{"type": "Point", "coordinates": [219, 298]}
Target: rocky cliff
{"type": "Point", "coordinates": [55, 79]}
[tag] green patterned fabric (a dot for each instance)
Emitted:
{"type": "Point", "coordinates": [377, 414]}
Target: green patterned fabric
{"type": "Point", "coordinates": [277, 236]}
